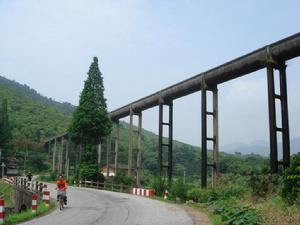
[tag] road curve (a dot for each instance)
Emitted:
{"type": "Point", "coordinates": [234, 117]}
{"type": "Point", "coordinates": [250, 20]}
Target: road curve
{"type": "Point", "coordinates": [95, 207]}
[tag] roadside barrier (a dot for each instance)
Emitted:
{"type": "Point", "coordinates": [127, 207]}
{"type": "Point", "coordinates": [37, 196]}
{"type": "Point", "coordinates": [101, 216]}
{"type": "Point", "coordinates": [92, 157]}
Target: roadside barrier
{"type": "Point", "coordinates": [2, 211]}
{"type": "Point", "coordinates": [34, 203]}
{"type": "Point", "coordinates": [8, 180]}
{"type": "Point", "coordinates": [46, 195]}
{"type": "Point", "coordinates": [166, 194]}
{"type": "Point", "coordinates": [143, 192]}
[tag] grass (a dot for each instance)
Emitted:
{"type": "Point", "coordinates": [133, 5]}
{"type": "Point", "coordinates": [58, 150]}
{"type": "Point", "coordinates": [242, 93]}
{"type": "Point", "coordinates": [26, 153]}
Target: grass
{"type": "Point", "coordinates": [5, 190]}
{"type": "Point", "coordinates": [276, 212]}
{"type": "Point", "coordinates": [28, 215]}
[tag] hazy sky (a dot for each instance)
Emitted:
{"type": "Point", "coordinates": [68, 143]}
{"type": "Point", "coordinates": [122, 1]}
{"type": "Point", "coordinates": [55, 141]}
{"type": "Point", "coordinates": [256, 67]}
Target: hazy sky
{"type": "Point", "coordinates": [144, 46]}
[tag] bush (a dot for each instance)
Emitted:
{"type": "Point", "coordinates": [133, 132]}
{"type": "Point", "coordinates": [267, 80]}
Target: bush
{"type": "Point", "coordinates": [123, 179]}
{"type": "Point", "coordinates": [178, 190]}
{"type": "Point", "coordinates": [237, 215]}
{"type": "Point", "coordinates": [226, 192]}
{"type": "Point", "coordinates": [159, 185]}
{"type": "Point", "coordinates": [291, 182]}
{"type": "Point", "coordinates": [219, 193]}
{"type": "Point", "coordinates": [89, 172]}
{"type": "Point", "coordinates": [263, 184]}
{"type": "Point", "coordinates": [201, 195]}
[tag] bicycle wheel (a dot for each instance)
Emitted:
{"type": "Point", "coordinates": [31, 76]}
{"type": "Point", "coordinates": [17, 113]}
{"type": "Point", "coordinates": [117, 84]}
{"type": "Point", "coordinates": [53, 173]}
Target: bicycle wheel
{"type": "Point", "coordinates": [61, 202]}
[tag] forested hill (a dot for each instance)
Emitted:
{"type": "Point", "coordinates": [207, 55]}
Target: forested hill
{"type": "Point", "coordinates": [25, 90]}
{"type": "Point", "coordinates": [29, 115]}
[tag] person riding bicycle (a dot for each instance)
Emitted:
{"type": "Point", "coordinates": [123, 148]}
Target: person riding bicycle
{"type": "Point", "coordinates": [61, 186]}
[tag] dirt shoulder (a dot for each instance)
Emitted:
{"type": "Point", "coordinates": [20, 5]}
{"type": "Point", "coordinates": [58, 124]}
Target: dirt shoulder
{"type": "Point", "coordinates": [199, 218]}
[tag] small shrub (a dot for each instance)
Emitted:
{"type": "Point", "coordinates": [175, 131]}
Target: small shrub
{"type": "Point", "coordinates": [123, 179]}
{"type": "Point", "coordinates": [263, 184]}
{"type": "Point", "coordinates": [201, 195]}
{"type": "Point", "coordinates": [178, 190]}
{"type": "Point", "coordinates": [89, 172]}
{"type": "Point", "coordinates": [237, 215]}
{"type": "Point", "coordinates": [159, 185]}
{"type": "Point", "coordinates": [226, 192]}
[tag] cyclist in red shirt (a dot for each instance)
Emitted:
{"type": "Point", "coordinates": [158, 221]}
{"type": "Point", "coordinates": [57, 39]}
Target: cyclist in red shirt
{"type": "Point", "coordinates": [61, 187]}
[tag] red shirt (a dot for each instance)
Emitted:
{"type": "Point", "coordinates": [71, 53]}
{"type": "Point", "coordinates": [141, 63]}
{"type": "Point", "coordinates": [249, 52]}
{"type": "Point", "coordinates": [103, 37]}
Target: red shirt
{"type": "Point", "coordinates": [61, 184]}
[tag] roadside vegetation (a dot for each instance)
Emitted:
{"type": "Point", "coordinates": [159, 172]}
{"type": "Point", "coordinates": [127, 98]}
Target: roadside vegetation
{"type": "Point", "coordinates": [259, 198]}
{"type": "Point", "coordinates": [5, 190]}
{"type": "Point", "coordinates": [28, 215]}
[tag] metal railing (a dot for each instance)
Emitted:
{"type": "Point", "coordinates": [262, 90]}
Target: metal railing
{"type": "Point", "coordinates": [108, 186]}
{"type": "Point", "coordinates": [32, 186]}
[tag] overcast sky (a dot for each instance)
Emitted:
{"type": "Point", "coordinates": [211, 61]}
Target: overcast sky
{"type": "Point", "coordinates": [144, 46]}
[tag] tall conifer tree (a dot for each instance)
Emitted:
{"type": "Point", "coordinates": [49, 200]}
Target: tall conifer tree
{"type": "Point", "coordinates": [90, 122]}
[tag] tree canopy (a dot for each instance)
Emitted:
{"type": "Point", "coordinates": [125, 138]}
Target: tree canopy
{"type": "Point", "coordinates": [90, 120]}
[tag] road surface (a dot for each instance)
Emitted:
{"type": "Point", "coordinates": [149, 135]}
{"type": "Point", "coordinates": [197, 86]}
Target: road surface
{"type": "Point", "coordinates": [95, 207]}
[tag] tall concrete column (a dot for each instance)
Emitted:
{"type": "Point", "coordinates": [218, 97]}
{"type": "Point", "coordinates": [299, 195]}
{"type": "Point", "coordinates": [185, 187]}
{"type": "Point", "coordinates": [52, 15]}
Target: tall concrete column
{"type": "Point", "coordinates": [116, 147]}
{"type": "Point", "coordinates": [203, 140]}
{"type": "Point", "coordinates": [130, 143]}
{"type": "Point", "coordinates": [216, 137]}
{"type": "Point", "coordinates": [108, 151]}
{"type": "Point", "coordinates": [284, 116]}
{"type": "Point", "coordinates": [99, 148]}
{"type": "Point", "coordinates": [139, 152]}
{"type": "Point", "coordinates": [54, 155]}
{"type": "Point", "coordinates": [272, 120]}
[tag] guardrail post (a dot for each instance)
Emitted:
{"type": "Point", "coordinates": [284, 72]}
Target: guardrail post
{"type": "Point", "coordinates": [112, 186]}
{"type": "Point", "coordinates": [97, 184]}
{"type": "Point", "coordinates": [121, 188]}
{"type": "Point", "coordinates": [34, 203]}
{"type": "Point", "coordinates": [2, 211]}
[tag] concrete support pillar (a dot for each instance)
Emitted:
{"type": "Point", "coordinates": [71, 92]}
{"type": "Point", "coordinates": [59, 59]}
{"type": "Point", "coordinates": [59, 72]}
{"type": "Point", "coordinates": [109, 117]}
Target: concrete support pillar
{"type": "Point", "coordinates": [273, 128]}
{"type": "Point", "coordinates": [99, 148]}
{"type": "Point", "coordinates": [216, 137]}
{"type": "Point", "coordinates": [205, 138]}
{"type": "Point", "coordinates": [116, 146]}
{"type": "Point", "coordinates": [108, 151]}
{"type": "Point", "coordinates": [54, 155]}
{"type": "Point", "coordinates": [284, 116]}
{"type": "Point", "coordinates": [169, 144]}
{"type": "Point", "coordinates": [67, 159]}
{"type": "Point", "coordinates": [139, 152]}
{"type": "Point", "coordinates": [272, 120]}
{"type": "Point", "coordinates": [130, 143]}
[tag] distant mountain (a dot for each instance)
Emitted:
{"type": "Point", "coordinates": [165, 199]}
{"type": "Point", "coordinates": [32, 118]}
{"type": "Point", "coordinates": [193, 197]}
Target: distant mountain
{"type": "Point", "coordinates": [25, 90]}
{"type": "Point", "coordinates": [259, 147]}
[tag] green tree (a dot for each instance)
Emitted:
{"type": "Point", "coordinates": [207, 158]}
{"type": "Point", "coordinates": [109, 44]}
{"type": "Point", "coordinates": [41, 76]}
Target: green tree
{"type": "Point", "coordinates": [90, 122]}
{"type": "Point", "coordinates": [5, 132]}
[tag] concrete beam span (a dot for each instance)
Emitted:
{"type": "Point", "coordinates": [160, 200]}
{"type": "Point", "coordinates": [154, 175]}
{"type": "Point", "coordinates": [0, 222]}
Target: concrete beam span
{"type": "Point", "coordinates": [279, 51]}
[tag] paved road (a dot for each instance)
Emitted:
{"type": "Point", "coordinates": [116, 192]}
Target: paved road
{"type": "Point", "coordinates": [94, 207]}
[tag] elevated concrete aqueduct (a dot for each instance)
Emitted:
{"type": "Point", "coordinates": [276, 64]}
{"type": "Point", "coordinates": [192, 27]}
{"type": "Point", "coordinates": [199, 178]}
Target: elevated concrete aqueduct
{"type": "Point", "coordinates": [273, 57]}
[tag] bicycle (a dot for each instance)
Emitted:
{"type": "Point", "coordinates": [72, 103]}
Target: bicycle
{"type": "Point", "coordinates": [61, 194]}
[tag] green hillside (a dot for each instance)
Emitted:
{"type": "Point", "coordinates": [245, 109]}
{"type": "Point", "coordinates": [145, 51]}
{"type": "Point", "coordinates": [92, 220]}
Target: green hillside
{"type": "Point", "coordinates": [34, 118]}
{"type": "Point", "coordinates": [31, 119]}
